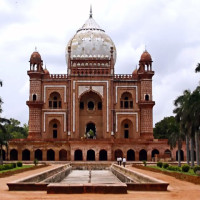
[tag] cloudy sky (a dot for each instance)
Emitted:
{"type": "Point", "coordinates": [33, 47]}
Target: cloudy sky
{"type": "Point", "coordinates": [170, 29]}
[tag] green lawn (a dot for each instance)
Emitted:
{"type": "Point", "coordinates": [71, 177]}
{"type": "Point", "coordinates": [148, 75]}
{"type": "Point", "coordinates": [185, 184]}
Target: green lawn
{"type": "Point", "coordinates": [191, 172]}
{"type": "Point", "coordinates": [17, 168]}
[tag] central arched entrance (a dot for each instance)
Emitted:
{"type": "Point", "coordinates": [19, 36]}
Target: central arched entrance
{"type": "Point", "coordinates": [90, 155]}
{"type": "Point", "coordinates": [91, 130]}
{"type": "Point", "coordinates": [91, 115]}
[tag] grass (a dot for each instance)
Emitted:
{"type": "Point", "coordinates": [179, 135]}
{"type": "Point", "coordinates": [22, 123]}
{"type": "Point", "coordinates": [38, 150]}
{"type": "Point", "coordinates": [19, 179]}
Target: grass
{"type": "Point", "coordinates": [190, 172]}
{"type": "Point", "coordinates": [185, 176]}
{"type": "Point", "coordinates": [17, 168]}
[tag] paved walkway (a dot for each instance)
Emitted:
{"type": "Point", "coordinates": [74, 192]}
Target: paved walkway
{"type": "Point", "coordinates": [178, 190]}
{"type": "Point", "coordinates": [95, 176]}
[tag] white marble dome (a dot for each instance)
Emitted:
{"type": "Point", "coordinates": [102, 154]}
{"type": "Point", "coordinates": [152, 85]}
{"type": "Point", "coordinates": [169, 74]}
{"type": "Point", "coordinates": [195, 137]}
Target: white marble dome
{"type": "Point", "coordinates": [91, 41]}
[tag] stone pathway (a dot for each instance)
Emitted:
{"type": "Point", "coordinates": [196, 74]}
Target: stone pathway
{"type": "Point", "coordinates": [95, 176]}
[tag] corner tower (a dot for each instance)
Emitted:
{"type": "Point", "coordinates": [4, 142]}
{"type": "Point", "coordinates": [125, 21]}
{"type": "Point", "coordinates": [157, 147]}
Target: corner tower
{"type": "Point", "coordinates": [146, 102]}
{"type": "Point", "coordinates": [35, 102]}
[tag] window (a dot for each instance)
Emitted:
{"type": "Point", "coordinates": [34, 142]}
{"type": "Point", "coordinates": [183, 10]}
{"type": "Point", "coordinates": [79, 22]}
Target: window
{"type": "Point", "coordinates": [99, 106]}
{"type": "Point", "coordinates": [125, 125]}
{"type": "Point", "coordinates": [82, 105]}
{"type": "Point", "coordinates": [146, 97]}
{"type": "Point", "coordinates": [126, 130]}
{"type": "Point", "coordinates": [126, 101]}
{"type": "Point", "coordinates": [55, 101]}
{"type": "Point", "coordinates": [90, 105]}
{"type": "Point", "coordinates": [55, 130]}
{"type": "Point", "coordinates": [34, 97]}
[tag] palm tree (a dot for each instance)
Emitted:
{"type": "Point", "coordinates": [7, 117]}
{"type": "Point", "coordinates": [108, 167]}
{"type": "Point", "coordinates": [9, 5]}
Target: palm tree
{"type": "Point", "coordinates": [175, 137]}
{"type": "Point", "coordinates": [183, 117]}
{"type": "Point", "coordinates": [195, 115]}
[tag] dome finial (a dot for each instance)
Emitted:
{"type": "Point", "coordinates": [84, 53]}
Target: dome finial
{"type": "Point", "coordinates": [35, 49]}
{"type": "Point", "coordinates": [90, 10]}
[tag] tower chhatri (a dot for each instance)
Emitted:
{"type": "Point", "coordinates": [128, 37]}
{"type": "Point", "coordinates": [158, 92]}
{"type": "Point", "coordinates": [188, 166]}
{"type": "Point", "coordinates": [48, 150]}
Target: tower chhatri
{"type": "Point", "coordinates": [90, 113]}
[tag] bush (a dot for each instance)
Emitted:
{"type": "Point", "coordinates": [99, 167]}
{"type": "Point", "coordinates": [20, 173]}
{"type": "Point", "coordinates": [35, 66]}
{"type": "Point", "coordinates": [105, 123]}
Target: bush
{"type": "Point", "coordinates": [144, 162]}
{"type": "Point", "coordinates": [35, 161]}
{"type": "Point", "coordinates": [14, 165]}
{"type": "Point", "coordinates": [173, 168]}
{"type": "Point", "coordinates": [159, 164]}
{"type": "Point", "coordinates": [165, 165]}
{"type": "Point", "coordinates": [6, 167]}
{"type": "Point", "coordinates": [185, 168]}
{"type": "Point", "coordinates": [196, 168]}
{"type": "Point", "coordinates": [19, 164]}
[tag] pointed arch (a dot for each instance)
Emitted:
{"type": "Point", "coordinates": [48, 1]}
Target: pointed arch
{"type": "Point", "coordinates": [130, 155]}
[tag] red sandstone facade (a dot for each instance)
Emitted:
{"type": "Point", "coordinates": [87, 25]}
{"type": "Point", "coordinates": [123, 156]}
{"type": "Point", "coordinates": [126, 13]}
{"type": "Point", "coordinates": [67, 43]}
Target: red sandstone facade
{"type": "Point", "coordinates": [90, 113]}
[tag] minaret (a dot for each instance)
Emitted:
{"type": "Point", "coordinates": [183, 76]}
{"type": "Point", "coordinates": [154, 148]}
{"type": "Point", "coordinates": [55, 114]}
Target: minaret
{"type": "Point", "coordinates": [146, 102]}
{"type": "Point", "coordinates": [35, 102]}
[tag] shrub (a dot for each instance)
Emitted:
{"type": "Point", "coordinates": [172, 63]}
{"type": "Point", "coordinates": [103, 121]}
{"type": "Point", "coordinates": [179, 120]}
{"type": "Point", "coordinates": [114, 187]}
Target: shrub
{"type": "Point", "coordinates": [6, 167]}
{"type": "Point", "coordinates": [165, 165]}
{"type": "Point", "coordinates": [14, 165]}
{"type": "Point", "coordinates": [159, 164]}
{"type": "Point", "coordinates": [185, 168]}
{"type": "Point", "coordinates": [19, 164]}
{"type": "Point", "coordinates": [196, 168]}
{"type": "Point", "coordinates": [1, 167]}
{"type": "Point", "coordinates": [35, 161]}
{"type": "Point", "coordinates": [173, 168]}
{"type": "Point", "coordinates": [144, 162]}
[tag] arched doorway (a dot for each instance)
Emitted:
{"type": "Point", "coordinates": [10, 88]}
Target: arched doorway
{"type": "Point", "coordinates": [54, 129]}
{"type": "Point", "coordinates": [38, 154]}
{"type": "Point", "coordinates": [50, 155]}
{"type": "Point", "coordinates": [13, 154]}
{"type": "Point", "coordinates": [62, 155]}
{"type": "Point", "coordinates": [3, 156]}
{"type": "Point", "coordinates": [130, 155]}
{"type": "Point", "coordinates": [91, 115]}
{"type": "Point", "coordinates": [91, 130]}
{"type": "Point", "coordinates": [126, 129]}
{"type": "Point", "coordinates": [182, 155]}
{"type": "Point", "coordinates": [103, 155]}
{"type": "Point", "coordinates": [90, 155]}
{"type": "Point", "coordinates": [78, 155]}
{"type": "Point", "coordinates": [143, 155]}
{"type": "Point", "coordinates": [154, 153]}
{"type": "Point", "coordinates": [118, 153]}
{"type": "Point", "coordinates": [26, 154]}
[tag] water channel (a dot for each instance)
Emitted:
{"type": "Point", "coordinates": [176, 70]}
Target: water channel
{"type": "Point", "coordinates": [91, 176]}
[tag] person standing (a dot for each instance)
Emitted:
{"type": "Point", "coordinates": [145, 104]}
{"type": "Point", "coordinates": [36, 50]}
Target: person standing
{"type": "Point", "coordinates": [120, 161]}
{"type": "Point", "coordinates": [124, 162]}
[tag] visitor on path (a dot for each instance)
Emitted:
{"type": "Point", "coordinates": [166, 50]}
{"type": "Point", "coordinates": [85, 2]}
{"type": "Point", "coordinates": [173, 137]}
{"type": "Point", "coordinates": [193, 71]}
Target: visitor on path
{"type": "Point", "coordinates": [120, 161]}
{"type": "Point", "coordinates": [124, 162]}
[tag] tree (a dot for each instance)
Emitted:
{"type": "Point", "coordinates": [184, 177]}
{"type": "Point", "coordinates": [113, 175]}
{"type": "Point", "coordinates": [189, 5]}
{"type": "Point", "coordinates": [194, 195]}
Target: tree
{"type": "Point", "coordinates": [4, 137]}
{"type": "Point", "coordinates": [175, 137]}
{"type": "Point", "coordinates": [182, 112]}
{"type": "Point", "coordinates": [17, 131]}
{"type": "Point", "coordinates": [161, 128]}
{"type": "Point", "coordinates": [195, 115]}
